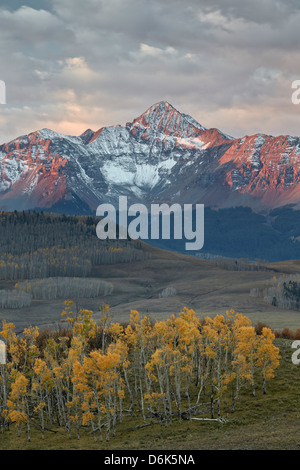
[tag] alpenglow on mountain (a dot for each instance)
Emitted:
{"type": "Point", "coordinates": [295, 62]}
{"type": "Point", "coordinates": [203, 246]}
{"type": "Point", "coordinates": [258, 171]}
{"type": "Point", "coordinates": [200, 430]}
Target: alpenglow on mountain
{"type": "Point", "coordinates": [161, 156]}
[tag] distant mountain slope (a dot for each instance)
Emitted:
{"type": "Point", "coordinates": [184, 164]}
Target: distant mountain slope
{"type": "Point", "coordinates": [240, 232]}
{"type": "Point", "coordinates": [162, 155]}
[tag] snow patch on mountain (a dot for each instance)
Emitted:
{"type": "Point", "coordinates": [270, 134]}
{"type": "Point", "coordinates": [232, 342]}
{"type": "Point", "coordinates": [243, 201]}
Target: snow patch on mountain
{"type": "Point", "coordinates": [143, 175]}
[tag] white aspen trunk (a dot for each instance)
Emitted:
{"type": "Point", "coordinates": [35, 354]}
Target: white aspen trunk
{"type": "Point", "coordinates": [28, 421]}
{"type": "Point", "coordinates": [3, 375]}
{"type": "Point", "coordinates": [94, 430]}
{"type": "Point", "coordinates": [128, 387]}
{"type": "Point", "coordinates": [235, 397]}
{"type": "Point", "coordinates": [265, 386]}
{"type": "Point", "coordinates": [142, 399]}
{"type": "Point", "coordinates": [168, 394]}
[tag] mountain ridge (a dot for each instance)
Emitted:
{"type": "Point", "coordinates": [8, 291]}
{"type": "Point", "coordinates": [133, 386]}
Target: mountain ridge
{"type": "Point", "coordinates": [162, 155]}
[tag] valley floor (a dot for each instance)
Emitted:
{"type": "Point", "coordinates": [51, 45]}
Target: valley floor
{"type": "Point", "coordinates": [200, 285]}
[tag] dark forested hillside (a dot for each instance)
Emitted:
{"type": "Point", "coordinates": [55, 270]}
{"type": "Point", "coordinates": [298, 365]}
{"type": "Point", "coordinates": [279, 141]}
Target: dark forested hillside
{"type": "Point", "coordinates": [39, 245]}
{"type": "Point", "coordinates": [242, 233]}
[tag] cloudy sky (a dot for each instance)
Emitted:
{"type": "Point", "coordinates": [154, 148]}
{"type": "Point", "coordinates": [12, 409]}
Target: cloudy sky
{"type": "Point", "coordinates": [70, 65]}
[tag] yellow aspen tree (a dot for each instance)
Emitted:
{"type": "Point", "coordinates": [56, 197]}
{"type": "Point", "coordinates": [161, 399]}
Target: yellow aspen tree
{"type": "Point", "coordinates": [102, 372]}
{"type": "Point", "coordinates": [237, 321]}
{"type": "Point", "coordinates": [137, 335]}
{"type": "Point", "coordinates": [221, 328]}
{"type": "Point", "coordinates": [157, 369]}
{"type": "Point", "coordinates": [188, 339]}
{"type": "Point", "coordinates": [30, 349]}
{"type": "Point", "coordinates": [210, 352]}
{"type": "Point", "coordinates": [267, 356]}
{"type": "Point", "coordinates": [56, 354]}
{"type": "Point", "coordinates": [41, 387]}
{"type": "Point", "coordinates": [246, 346]}
{"type": "Point", "coordinates": [238, 366]}
{"type": "Point", "coordinates": [75, 354]}
{"type": "Point", "coordinates": [18, 402]}
{"type": "Point", "coordinates": [81, 396]}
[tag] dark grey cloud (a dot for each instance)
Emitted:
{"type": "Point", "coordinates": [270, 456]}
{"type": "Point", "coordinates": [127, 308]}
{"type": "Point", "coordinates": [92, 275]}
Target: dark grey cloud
{"type": "Point", "coordinates": [70, 64]}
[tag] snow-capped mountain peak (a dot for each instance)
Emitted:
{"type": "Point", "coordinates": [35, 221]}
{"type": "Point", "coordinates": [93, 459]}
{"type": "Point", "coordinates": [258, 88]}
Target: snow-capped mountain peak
{"type": "Point", "coordinates": [162, 155]}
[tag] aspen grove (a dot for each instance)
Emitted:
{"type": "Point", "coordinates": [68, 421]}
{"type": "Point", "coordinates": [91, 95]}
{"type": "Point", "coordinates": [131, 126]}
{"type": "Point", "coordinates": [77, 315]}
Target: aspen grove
{"type": "Point", "coordinates": [94, 374]}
